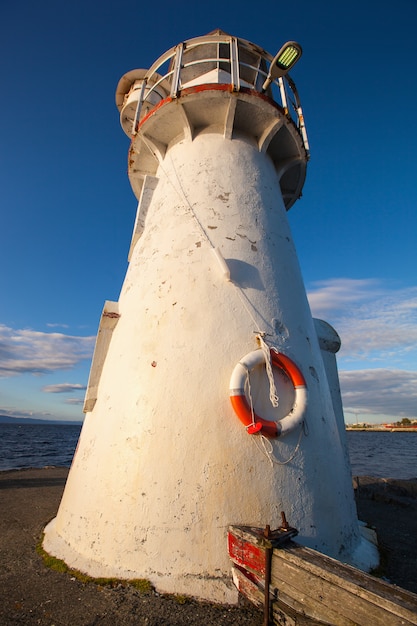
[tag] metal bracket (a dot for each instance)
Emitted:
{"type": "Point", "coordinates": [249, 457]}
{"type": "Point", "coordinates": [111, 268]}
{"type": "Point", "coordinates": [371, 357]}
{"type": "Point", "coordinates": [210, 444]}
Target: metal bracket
{"type": "Point", "coordinates": [175, 86]}
{"type": "Point", "coordinates": [234, 64]}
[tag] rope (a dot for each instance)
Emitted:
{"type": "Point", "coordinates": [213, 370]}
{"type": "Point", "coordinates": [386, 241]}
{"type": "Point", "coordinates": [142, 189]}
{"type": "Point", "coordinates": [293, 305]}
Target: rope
{"type": "Point", "coordinates": [243, 298]}
{"type": "Point", "coordinates": [273, 395]}
{"type": "Point", "coordinates": [250, 399]}
{"type": "Point", "coordinates": [183, 197]}
{"type": "Point", "coordinates": [263, 447]}
{"type": "Point", "coordinates": [180, 193]}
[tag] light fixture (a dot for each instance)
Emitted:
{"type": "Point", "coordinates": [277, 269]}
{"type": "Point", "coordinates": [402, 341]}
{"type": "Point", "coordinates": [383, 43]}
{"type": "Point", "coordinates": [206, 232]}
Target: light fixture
{"type": "Point", "coordinates": [283, 61]}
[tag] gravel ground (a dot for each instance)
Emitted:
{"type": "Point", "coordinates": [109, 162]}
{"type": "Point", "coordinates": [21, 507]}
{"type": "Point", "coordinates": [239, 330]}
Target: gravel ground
{"type": "Point", "coordinates": [34, 594]}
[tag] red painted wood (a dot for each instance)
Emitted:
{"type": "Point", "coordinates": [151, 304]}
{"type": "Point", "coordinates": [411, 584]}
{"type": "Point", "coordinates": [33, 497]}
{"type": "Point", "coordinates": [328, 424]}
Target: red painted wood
{"type": "Point", "coordinates": [246, 555]}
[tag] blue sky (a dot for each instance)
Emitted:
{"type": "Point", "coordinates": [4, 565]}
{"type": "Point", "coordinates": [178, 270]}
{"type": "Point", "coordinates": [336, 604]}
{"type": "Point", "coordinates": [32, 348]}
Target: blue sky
{"type": "Point", "coordinates": [67, 209]}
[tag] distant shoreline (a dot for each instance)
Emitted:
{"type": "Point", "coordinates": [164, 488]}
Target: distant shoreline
{"type": "Point", "coordinates": [381, 429]}
{"type": "Point", "coordinates": [5, 419]}
{"type": "Point", "coordinates": [38, 422]}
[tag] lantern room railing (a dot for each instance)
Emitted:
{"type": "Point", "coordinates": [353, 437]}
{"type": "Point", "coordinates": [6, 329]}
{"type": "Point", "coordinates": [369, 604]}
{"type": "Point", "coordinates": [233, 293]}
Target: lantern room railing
{"type": "Point", "coordinates": [215, 58]}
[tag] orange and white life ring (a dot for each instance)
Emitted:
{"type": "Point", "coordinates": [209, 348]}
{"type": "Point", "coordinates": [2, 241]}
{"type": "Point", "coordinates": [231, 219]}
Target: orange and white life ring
{"type": "Point", "coordinates": [255, 424]}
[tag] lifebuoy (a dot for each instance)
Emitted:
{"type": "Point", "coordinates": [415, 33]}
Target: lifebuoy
{"type": "Point", "coordinates": [255, 424]}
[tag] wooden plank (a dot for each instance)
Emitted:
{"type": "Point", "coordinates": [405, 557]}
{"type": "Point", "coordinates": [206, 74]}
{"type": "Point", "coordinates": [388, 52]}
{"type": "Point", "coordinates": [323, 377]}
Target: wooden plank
{"type": "Point", "coordinates": [255, 594]}
{"type": "Point", "coordinates": [310, 585]}
{"type": "Point", "coordinates": [283, 608]}
{"type": "Point", "coordinates": [308, 575]}
{"type": "Point", "coordinates": [311, 600]}
{"type": "Point", "coordinates": [244, 552]}
{"type": "Point", "coordinates": [247, 546]}
{"type": "Point", "coordinates": [282, 611]}
{"type": "Point", "coordinates": [250, 588]}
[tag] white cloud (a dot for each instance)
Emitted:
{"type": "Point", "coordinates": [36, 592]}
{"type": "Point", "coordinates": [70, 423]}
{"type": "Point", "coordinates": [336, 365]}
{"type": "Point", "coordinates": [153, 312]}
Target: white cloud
{"type": "Point", "coordinates": [374, 323]}
{"type": "Point", "coordinates": [74, 401]}
{"type": "Point", "coordinates": [377, 325]}
{"type": "Point", "coordinates": [63, 388]}
{"type": "Point", "coordinates": [380, 392]}
{"type": "Point", "coordinates": [30, 351]}
{"type": "Point", "coordinates": [57, 325]}
{"type": "Point", "coordinates": [329, 297]}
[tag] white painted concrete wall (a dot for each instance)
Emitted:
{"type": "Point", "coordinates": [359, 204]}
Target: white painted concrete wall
{"type": "Point", "coordinates": [163, 464]}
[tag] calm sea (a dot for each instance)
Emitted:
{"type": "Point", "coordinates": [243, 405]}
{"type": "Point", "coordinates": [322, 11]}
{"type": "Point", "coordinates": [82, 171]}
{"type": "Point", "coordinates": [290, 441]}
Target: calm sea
{"type": "Point", "coordinates": [383, 454]}
{"type": "Point", "coordinates": [37, 445]}
{"type": "Point", "coordinates": [379, 454]}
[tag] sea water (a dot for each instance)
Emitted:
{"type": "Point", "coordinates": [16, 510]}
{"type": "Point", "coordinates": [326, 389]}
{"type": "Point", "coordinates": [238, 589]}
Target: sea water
{"type": "Point", "coordinates": [378, 454]}
{"type": "Point", "coordinates": [383, 454]}
{"type": "Point", "coordinates": [37, 445]}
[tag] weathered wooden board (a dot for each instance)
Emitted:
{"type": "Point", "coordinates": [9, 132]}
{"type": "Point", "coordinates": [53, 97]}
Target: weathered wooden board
{"type": "Point", "coordinates": [247, 544]}
{"type": "Point", "coordinates": [281, 613]}
{"type": "Point", "coordinates": [246, 553]}
{"type": "Point", "coordinates": [322, 584]}
{"type": "Point", "coordinates": [307, 585]}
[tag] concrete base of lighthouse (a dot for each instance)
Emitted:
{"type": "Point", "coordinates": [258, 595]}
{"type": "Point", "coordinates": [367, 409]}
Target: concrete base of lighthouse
{"type": "Point", "coordinates": [163, 464]}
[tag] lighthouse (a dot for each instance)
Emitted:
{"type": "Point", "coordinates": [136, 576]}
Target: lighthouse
{"type": "Point", "coordinates": [213, 395]}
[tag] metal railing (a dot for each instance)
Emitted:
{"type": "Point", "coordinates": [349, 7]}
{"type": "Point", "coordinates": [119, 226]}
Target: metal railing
{"type": "Point", "coordinates": [230, 61]}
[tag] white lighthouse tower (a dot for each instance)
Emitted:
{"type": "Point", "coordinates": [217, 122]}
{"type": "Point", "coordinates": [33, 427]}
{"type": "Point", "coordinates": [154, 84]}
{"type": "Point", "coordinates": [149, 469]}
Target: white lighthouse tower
{"type": "Point", "coordinates": [213, 395]}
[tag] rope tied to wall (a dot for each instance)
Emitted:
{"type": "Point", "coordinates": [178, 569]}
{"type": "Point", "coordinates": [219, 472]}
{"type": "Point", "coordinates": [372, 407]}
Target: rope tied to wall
{"type": "Point", "coordinates": [273, 394]}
